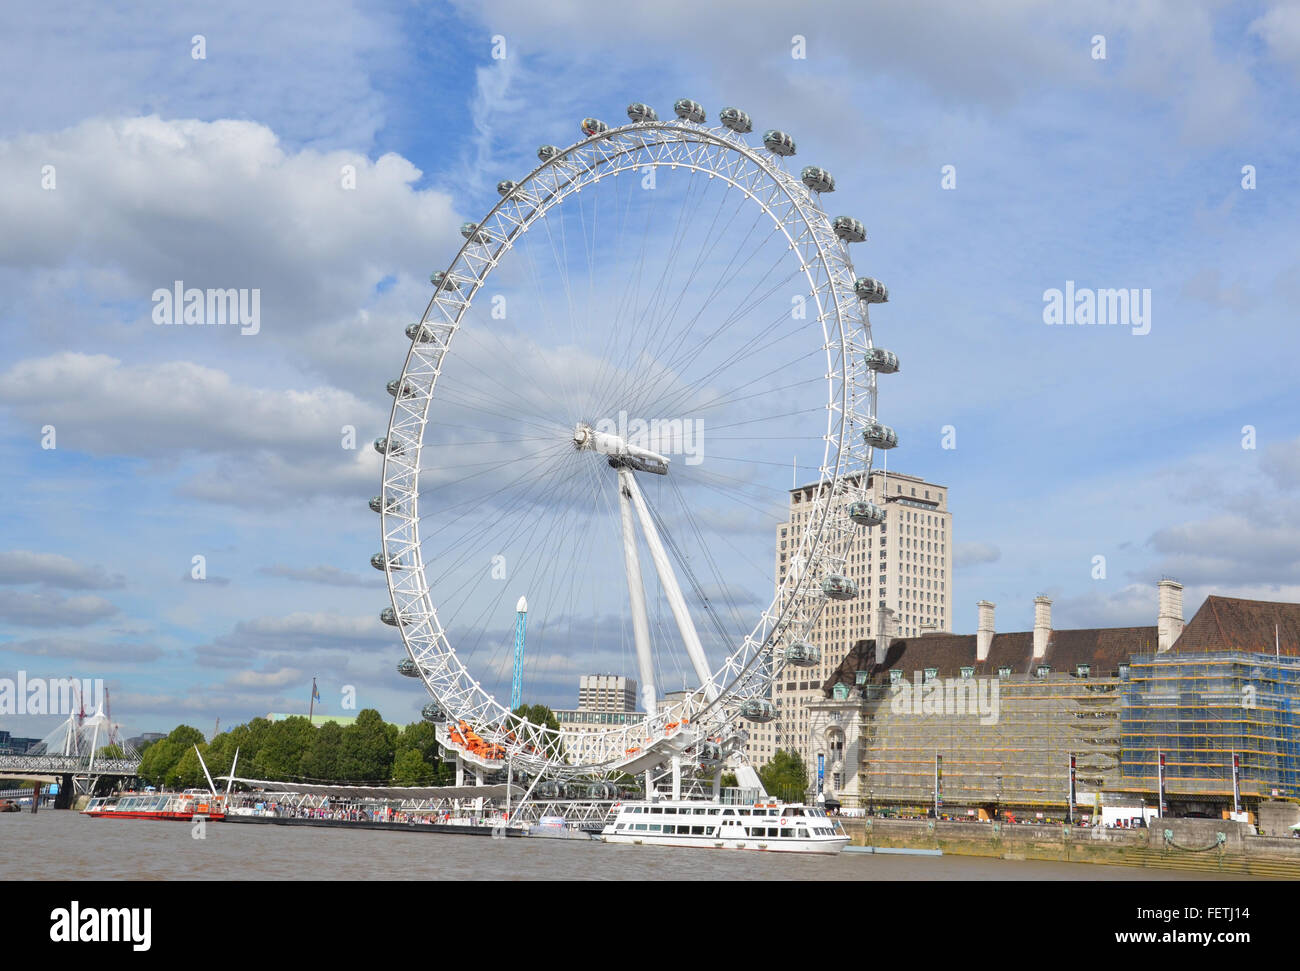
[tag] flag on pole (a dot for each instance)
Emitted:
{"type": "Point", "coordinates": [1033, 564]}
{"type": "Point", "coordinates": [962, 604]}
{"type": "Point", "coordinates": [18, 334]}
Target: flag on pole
{"type": "Point", "coordinates": [315, 694]}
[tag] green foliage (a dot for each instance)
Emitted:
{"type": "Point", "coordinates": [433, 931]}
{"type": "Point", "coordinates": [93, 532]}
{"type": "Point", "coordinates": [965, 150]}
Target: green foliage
{"type": "Point", "coordinates": [540, 715]}
{"type": "Point", "coordinates": [163, 756]}
{"type": "Point", "coordinates": [729, 781]}
{"type": "Point", "coordinates": [368, 751]}
{"type": "Point", "coordinates": [785, 777]}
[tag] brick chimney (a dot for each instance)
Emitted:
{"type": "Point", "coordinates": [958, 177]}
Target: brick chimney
{"type": "Point", "coordinates": [885, 630]}
{"type": "Point", "coordinates": [1042, 625]}
{"type": "Point", "coordinates": [1169, 623]}
{"type": "Point", "coordinates": [984, 631]}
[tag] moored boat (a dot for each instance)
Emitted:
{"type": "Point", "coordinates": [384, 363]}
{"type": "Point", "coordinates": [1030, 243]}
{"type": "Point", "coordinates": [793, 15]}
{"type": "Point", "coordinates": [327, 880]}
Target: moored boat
{"type": "Point", "coordinates": [767, 826]}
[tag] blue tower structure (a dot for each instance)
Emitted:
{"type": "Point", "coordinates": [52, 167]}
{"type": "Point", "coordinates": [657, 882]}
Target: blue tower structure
{"type": "Point", "coordinates": [521, 619]}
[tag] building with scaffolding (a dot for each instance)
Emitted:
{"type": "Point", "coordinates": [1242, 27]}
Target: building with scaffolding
{"type": "Point", "coordinates": [1218, 716]}
{"type": "Point", "coordinates": [1035, 722]}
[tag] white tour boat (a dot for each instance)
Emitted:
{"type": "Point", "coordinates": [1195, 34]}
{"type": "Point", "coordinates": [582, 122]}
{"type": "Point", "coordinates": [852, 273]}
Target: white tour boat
{"type": "Point", "coordinates": [771, 826]}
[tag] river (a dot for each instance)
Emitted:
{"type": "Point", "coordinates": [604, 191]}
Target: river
{"type": "Point", "coordinates": [62, 845]}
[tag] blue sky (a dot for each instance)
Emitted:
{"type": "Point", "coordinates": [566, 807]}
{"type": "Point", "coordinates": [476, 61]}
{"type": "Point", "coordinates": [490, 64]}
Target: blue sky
{"type": "Point", "coordinates": [1072, 442]}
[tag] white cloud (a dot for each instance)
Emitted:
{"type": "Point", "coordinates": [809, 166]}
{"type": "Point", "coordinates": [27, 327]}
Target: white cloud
{"type": "Point", "coordinates": [42, 608]}
{"type": "Point", "coordinates": [54, 570]}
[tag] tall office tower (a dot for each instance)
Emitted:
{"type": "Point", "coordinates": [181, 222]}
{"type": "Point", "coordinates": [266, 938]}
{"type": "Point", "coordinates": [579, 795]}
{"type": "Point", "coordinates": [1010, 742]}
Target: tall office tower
{"type": "Point", "coordinates": [904, 564]}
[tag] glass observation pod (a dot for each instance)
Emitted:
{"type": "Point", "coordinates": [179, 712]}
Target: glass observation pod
{"type": "Point", "coordinates": [866, 513]}
{"type": "Point", "coordinates": [870, 291]}
{"type": "Point", "coordinates": [839, 587]}
{"type": "Point", "coordinates": [758, 710]}
{"type": "Point", "coordinates": [389, 616]}
{"type": "Point", "coordinates": [593, 126]}
{"type": "Point", "coordinates": [380, 561]}
{"type": "Point", "coordinates": [640, 112]}
{"type": "Point", "coordinates": [801, 654]}
{"type": "Point", "coordinates": [472, 233]}
{"type": "Point", "coordinates": [879, 359]}
{"type": "Point", "coordinates": [689, 110]}
{"type": "Point", "coordinates": [432, 712]}
{"type": "Point", "coordinates": [880, 436]}
{"type": "Point", "coordinates": [442, 280]}
{"type": "Point", "coordinates": [602, 790]}
{"type": "Point", "coordinates": [849, 229]}
{"type": "Point", "coordinates": [420, 332]}
{"type": "Point", "coordinates": [737, 120]}
{"type": "Point", "coordinates": [377, 503]}
{"type": "Point", "coordinates": [818, 180]}
{"type": "Point", "coordinates": [547, 152]}
{"type": "Point", "coordinates": [506, 187]}
{"type": "Point", "coordinates": [407, 669]}
{"type": "Point", "coordinates": [384, 447]}
{"type": "Point", "coordinates": [710, 752]}
{"type": "Point", "coordinates": [549, 790]}
{"type": "Point", "coordinates": [778, 142]}
{"type": "Point", "coordinates": [396, 387]}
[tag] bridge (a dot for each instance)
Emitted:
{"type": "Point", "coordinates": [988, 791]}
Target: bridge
{"type": "Point", "coordinates": [74, 756]}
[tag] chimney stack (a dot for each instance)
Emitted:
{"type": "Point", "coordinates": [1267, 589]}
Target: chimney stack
{"type": "Point", "coordinates": [1042, 625]}
{"type": "Point", "coordinates": [884, 633]}
{"type": "Point", "coordinates": [1169, 623]}
{"type": "Point", "coordinates": [984, 631]}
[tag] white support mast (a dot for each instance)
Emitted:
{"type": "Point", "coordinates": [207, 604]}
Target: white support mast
{"type": "Point", "coordinates": [636, 592]}
{"type": "Point", "coordinates": [668, 580]}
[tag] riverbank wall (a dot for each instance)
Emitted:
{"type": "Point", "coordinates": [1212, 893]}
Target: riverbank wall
{"type": "Point", "coordinates": [1205, 845]}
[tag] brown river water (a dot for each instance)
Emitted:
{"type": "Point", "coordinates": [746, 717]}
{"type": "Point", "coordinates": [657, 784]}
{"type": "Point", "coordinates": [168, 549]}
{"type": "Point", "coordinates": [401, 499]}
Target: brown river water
{"type": "Point", "coordinates": [63, 845]}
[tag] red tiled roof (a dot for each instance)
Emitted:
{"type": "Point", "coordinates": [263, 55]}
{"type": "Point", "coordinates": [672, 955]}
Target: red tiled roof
{"type": "Point", "coordinates": [1229, 623]}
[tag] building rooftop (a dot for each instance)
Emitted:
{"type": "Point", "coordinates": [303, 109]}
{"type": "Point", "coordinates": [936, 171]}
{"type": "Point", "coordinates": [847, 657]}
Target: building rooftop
{"type": "Point", "coordinates": [1229, 623]}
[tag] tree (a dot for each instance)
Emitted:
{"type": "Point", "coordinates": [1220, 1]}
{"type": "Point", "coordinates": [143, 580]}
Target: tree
{"type": "Point", "coordinates": [785, 777]}
{"type": "Point", "coordinates": [540, 715]}
{"type": "Point", "coordinates": [368, 748]}
{"type": "Point", "coordinates": [162, 756]}
{"type": "Point", "coordinates": [410, 769]}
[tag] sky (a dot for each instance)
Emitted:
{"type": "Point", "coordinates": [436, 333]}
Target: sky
{"type": "Point", "coordinates": [990, 151]}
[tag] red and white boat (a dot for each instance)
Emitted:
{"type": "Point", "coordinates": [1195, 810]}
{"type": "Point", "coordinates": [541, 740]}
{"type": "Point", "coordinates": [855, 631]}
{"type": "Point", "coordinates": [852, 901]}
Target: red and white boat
{"type": "Point", "coordinates": [159, 805]}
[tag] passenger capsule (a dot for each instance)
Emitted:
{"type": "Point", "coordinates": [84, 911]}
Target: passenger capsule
{"type": "Point", "coordinates": [880, 436]}
{"type": "Point", "coordinates": [849, 229]}
{"type": "Point", "coordinates": [839, 587]}
{"type": "Point", "coordinates": [593, 126]}
{"type": "Point", "coordinates": [399, 388]}
{"type": "Point", "coordinates": [870, 291]}
{"type": "Point", "coordinates": [389, 616]}
{"type": "Point", "coordinates": [421, 333]}
{"type": "Point", "coordinates": [377, 503]}
{"type": "Point", "coordinates": [472, 233]}
{"type": "Point", "coordinates": [801, 654]}
{"type": "Point", "coordinates": [866, 513]}
{"type": "Point", "coordinates": [881, 360]}
{"type": "Point", "coordinates": [379, 561]}
{"type": "Point", "coordinates": [689, 110]}
{"type": "Point", "coordinates": [818, 180]}
{"type": "Point", "coordinates": [549, 790]}
{"type": "Point", "coordinates": [442, 280]}
{"type": "Point", "coordinates": [710, 753]}
{"type": "Point", "coordinates": [407, 668]}
{"type": "Point", "coordinates": [506, 187]}
{"type": "Point", "coordinates": [602, 790]}
{"type": "Point", "coordinates": [758, 710]}
{"type": "Point", "coordinates": [433, 713]}
{"type": "Point", "coordinates": [385, 446]}
{"type": "Point", "coordinates": [547, 152]}
{"type": "Point", "coordinates": [737, 120]}
{"type": "Point", "coordinates": [639, 112]}
{"type": "Point", "coordinates": [778, 142]}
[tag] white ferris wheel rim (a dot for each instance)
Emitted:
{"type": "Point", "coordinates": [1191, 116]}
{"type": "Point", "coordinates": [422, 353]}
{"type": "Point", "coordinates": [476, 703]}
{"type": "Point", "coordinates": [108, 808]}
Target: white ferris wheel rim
{"type": "Point", "coordinates": [826, 266]}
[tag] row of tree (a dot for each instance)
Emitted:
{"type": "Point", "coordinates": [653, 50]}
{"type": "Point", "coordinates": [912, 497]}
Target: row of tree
{"type": "Point", "coordinates": [369, 750]}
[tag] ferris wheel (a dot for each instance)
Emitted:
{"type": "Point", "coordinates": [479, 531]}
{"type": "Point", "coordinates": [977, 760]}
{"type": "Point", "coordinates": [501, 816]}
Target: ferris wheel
{"type": "Point", "coordinates": [633, 355]}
